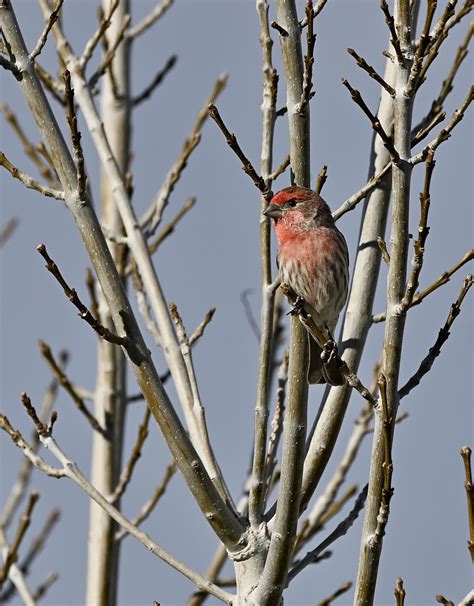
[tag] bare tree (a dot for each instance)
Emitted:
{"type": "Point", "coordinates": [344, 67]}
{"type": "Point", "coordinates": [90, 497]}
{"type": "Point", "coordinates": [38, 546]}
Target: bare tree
{"type": "Point", "coordinates": [283, 504]}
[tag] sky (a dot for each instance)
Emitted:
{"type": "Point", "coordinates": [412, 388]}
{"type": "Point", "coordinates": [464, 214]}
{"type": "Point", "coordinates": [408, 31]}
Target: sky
{"type": "Point", "coordinates": [210, 260]}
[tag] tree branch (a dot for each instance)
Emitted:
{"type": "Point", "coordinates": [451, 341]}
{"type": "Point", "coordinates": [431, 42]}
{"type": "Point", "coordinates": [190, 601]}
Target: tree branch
{"type": "Point", "coordinates": [12, 553]}
{"type": "Point", "coordinates": [70, 470]}
{"type": "Point", "coordinates": [379, 490]}
{"type": "Point", "coordinates": [159, 10]}
{"type": "Point", "coordinates": [466, 457]}
{"type": "Point", "coordinates": [62, 379]}
{"type": "Point", "coordinates": [362, 63]}
{"type": "Point", "coordinates": [71, 294]}
{"type": "Point", "coordinates": [226, 526]}
{"type": "Point", "coordinates": [376, 125]}
{"type": "Point", "coordinates": [47, 28]}
{"type": "Point", "coordinates": [435, 350]}
{"type": "Point", "coordinates": [273, 577]}
{"type": "Point", "coordinates": [340, 530]}
{"type": "Point", "coordinates": [28, 181]}
{"type": "Point", "coordinates": [234, 145]}
{"type": "Point", "coordinates": [257, 494]}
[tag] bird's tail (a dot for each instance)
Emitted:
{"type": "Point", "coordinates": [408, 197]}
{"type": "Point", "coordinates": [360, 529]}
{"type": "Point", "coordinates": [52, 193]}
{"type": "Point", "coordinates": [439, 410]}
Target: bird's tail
{"type": "Point", "coordinates": [318, 372]}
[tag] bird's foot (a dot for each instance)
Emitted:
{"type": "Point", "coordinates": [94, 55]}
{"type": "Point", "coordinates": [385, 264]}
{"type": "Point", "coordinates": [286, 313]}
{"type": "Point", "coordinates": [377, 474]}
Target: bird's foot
{"type": "Point", "coordinates": [298, 307]}
{"type": "Point", "coordinates": [329, 351]}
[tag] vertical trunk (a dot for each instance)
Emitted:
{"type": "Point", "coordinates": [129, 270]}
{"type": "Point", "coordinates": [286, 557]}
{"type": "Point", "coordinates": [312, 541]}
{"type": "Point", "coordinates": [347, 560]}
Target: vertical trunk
{"type": "Point", "coordinates": [377, 503]}
{"type": "Point", "coordinates": [273, 578]}
{"type": "Point", "coordinates": [358, 316]}
{"type": "Point", "coordinates": [110, 399]}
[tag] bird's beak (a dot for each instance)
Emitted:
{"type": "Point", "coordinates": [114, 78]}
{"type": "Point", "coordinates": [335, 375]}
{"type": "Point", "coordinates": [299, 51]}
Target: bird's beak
{"type": "Point", "coordinates": [274, 211]}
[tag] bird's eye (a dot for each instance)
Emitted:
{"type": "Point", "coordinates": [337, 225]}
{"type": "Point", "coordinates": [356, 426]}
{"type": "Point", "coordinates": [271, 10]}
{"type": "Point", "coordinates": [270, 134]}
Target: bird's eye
{"type": "Point", "coordinates": [292, 203]}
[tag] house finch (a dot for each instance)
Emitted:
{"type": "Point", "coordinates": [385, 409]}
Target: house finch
{"type": "Point", "coordinates": [313, 262]}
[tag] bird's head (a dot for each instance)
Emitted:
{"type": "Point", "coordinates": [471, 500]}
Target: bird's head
{"type": "Point", "coordinates": [298, 209]}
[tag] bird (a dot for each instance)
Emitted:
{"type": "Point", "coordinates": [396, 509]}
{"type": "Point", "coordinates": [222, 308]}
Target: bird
{"type": "Point", "coordinates": [313, 261]}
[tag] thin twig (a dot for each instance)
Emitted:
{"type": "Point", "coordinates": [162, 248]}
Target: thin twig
{"type": "Point", "coordinates": [435, 350]}
{"type": "Point", "coordinates": [437, 36]}
{"type": "Point", "coordinates": [41, 428]}
{"type": "Point", "coordinates": [159, 10]}
{"type": "Point", "coordinates": [249, 314]}
{"type": "Point", "coordinates": [157, 80]}
{"type": "Point", "coordinates": [376, 125]}
{"type": "Point", "coordinates": [12, 554]}
{"type": "Point", "coordinates": [321, 180]}
{"type": "Point", "coordinates": [63, 380]}
{"type": "Point", "coordinates": [55, 87]}
{"type": "Point", "coordinates": [10, 66]}
{"type": "Point", "coordinates": [201, 327]}
{"type": "Point", "coordinates": [28, 451]}
{"type": "Point", "coordinates": [41, 590]}
{"type": "Point", "coordinates": [30, 150]}
{"type": "Point", "coordinates": [91, 283]}
{"type": "Point", "coordinates": [203, 114]}
{"type": "Point", "coordinates": [20, 486]}
{"type": "Point", "coordinates": [35, 548]}
{"type": "Point", "coordinates": [127, 471]}
{"type": "Point", "coordinates": [155, 212]}
{"type": "Point", "coordinates": [154, 215]}
{"type": "Point", "coordinates": [71, 294]}
{"type": "Point", "coordinates": [444, 278]}
{"type": "Point", "coordinates": [314, 524]}
{"type": "Point", "coordinates": [104, 24]}
{"type": "Point", "coordinates": [423, 43]}
{"type": "Point", "coordinates": [110, 54]}
{"type": "Point", "coordinates": [142, 301]}
{"type": "Point", "coordinates": [16, 577]}
{"type": "Point", "coordinates": [362, 63]}
{"type": "Point", "coordinates": [70, 470]}
{"type": "Point", "coordinates": [277, 27]}
{"type": "Point", "coordinates": [234, 145]}
{"type": "Point", "coordinates": [319, 7]}
{"type": "Point", "coordinates": [342, 589]}
{"type": "Point", "coordinates": [28, 181]}
{"type": "Point", "coordinates": [423, 231]}
{"type": "Point", "coordinates": [445, 133]}
{"type": "Point", "coordinates": [466, 457]}
{"type": "Point", "coordinates": [442, 600]}
{"type": "Point", "coordinates": [447, 85]}
{"type": "Point", "coordinates": [441, 281]}
{"type": "Point", "coordinates": [281, 169]}
{"type": "Point", "coordinates": [75, 135]}
{"type": "Point", "coordinates": [395, 41]}
{"type": "Point", "coordinates": [39, 541]}
{"type": "Point", "coordinates": [198, 431]}
{"type": "Point", "coordinates": [170, 227]}
{"type": "Point", "coordinates": [150, 505]}
{"type": "Point", "coordinates": [308, 58]}
{"type": "Point", "coordinates": [340, 530]}
{"type": "Point", "coordinates": [7, 230]}
{"type": "Point", "coordinates": [421, 131]}
{"type": "Point", "coordinates": [47, 28]}
{"type": "Point", "coordinates": [371, 184]}
{"type": "Point", "coordinates": [400, 592]}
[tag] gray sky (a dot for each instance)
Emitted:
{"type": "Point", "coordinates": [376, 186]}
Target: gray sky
{"type": "Point", "coordinates": [211, 259]}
